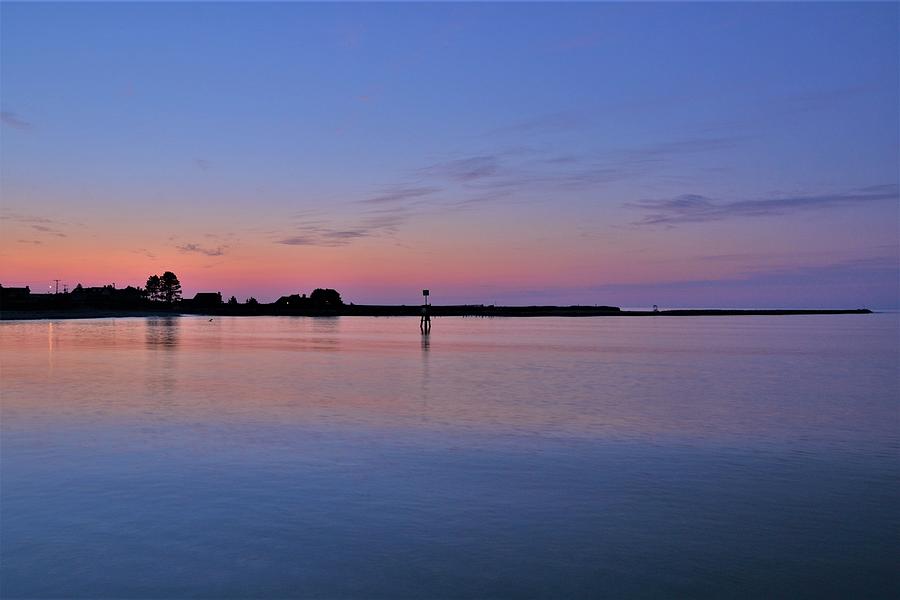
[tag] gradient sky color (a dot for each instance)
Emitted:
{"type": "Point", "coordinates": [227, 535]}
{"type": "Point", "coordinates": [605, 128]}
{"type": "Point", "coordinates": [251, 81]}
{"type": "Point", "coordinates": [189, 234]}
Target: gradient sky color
{"type": "Point", "coordinates": [633, 154]}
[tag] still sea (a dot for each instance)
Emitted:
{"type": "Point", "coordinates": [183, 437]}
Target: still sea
{"type": "Point", "coordinates": [353, 457]}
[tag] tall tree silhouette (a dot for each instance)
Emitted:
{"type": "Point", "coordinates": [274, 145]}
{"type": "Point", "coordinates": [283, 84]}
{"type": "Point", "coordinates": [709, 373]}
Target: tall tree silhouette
{"type": "Point", "coordinates": [170, 287]}
{"type": "Point", "coordinates": [153, 287]}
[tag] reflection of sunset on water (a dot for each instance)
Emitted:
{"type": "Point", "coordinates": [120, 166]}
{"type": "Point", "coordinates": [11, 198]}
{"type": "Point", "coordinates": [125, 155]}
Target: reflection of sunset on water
{"type": "Point", "coordinates": [595, 378]}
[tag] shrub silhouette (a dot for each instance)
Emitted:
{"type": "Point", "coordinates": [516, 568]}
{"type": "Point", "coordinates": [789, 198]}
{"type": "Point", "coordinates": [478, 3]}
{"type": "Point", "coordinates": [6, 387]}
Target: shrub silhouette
{"type": "Point", "coordinates": [325, 298]}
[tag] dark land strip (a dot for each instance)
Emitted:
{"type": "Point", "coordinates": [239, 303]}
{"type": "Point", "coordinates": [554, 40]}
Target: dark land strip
{"type": "Point", "coordinates": [364, 310]}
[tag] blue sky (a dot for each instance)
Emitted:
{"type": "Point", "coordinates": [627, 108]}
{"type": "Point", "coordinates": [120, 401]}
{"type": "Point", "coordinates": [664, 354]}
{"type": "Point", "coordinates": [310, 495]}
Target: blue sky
{"type": "Point", "coordinates": [526, 152]}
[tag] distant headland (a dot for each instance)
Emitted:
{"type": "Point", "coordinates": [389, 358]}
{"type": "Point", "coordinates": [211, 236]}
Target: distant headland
{"type": "Point", "coordinates": [162, 296]}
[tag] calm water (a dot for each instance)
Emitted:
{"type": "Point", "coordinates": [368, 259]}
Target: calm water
{"type": "Point", "coordinates": [351, 457]}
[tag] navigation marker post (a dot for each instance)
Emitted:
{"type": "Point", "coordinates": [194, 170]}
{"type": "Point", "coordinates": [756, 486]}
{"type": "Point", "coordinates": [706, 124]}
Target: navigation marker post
{"type": "Point", "coordinates": [425, 321]}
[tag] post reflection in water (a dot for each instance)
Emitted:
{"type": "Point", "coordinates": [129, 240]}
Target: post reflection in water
{"type": "Point", "coordinates": [426, 345]}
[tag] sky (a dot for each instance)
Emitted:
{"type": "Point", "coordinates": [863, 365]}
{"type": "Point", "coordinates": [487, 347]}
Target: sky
{"type": "Point", "coordinates": [678, 154]}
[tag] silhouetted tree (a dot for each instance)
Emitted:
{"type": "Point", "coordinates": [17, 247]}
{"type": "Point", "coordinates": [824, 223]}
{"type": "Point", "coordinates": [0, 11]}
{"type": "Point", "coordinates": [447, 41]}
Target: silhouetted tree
{"type": "Point", "coordinates": [232, 300]}
{"type": "Point", "coordinates": [153, 287]}
{"type": "Point", "coordinates": [325, 297]}
{"type": "Point", "coordinates": [252, 301]}
{"type": "Point", "coordinates": [169, 287]}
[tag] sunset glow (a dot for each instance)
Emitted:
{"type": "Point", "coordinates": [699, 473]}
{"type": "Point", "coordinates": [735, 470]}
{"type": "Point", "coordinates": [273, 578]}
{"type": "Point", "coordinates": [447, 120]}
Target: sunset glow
{"type": "Point", "coordinates": [741, 155]}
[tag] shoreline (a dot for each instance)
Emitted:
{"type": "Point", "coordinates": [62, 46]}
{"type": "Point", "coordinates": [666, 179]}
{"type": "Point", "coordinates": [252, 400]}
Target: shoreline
{"type": "Point", "coordinates": [415, 311]}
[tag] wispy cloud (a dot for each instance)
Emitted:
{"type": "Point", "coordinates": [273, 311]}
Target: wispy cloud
{"type": "Point", "coordinates": [823, 99]}
{"type": "Point", "coordinates": [524, 169]}
{"type": "Point", "coordinates": [465, 169]}
{"type": "Point", "coordinates": [734, 257]}
{"type": "Point", "coordinates": [774, 111]}
{"type": "Point", "coordinates": [202, 164]}
{"type": "Point", "coordinates": [324, 237]}
{"type": "Point", "coordinates": [30, 241]}
{"type": "Point", "coordinates": [695, 208]}
{"type": "Point", "coordinates": [566, 120]}
{"type": "Point", "coordinates": [196, 248]}
{"type": "Point", "coordinates": [510, 175]}
{"type": "Point", "coordinates": [331, 232]}
{"type": "Point", "coordinates": [11, 119]}
{"type": "Point", "coordinates": [691, 145]}
{"type": "Point", "coordinates": [23, 218]}
{"type": "Point", "coordinates": [48, 230]}
{"type": "Point", "coordinates": [847, 283]}
{"type": "Point", "coordinates": [401, 193]}
{"type": "Point", "coordinates": [39, 223]}
{"type": "Point", "coordinates": [144, 252]}
{"type": "Point", "coordinates": [883, 267]}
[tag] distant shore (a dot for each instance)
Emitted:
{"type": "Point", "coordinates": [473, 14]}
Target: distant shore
{"type": "Point", "coordinates": [87, 313]}
{"type": "Point", "coordinates": [412, 311]}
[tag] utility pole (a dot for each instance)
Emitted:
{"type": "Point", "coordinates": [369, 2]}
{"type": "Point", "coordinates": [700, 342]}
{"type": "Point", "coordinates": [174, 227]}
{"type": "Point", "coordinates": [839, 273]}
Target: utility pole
{"type": "Point", "coordinates": [57, 285]}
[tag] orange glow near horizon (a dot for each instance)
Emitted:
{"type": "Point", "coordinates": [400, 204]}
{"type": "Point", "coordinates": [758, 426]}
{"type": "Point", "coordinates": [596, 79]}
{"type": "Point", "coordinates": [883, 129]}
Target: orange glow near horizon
{"type": "Point", "coordinates": [377, 269]}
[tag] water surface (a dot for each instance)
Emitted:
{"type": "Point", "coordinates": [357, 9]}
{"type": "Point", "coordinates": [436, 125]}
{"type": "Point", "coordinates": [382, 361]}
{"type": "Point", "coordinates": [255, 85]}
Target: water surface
{"type": "Point", "coordinates": [546, 457]}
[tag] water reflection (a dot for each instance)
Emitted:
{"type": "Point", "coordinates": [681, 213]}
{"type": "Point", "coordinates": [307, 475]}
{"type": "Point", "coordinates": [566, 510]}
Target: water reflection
{"type": "Point", "coordinates": [162, 332]}
{"type": "Point", "coordinates": [161, 374]}
{"type": "Point", "coordinates": [177, 457]}
{"type": "Point", "coordinates": [711, 379]}
{"type": "Point", "coordinates": [51, 338]}
{"type": "Point", "coordinates": [325, 332]}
